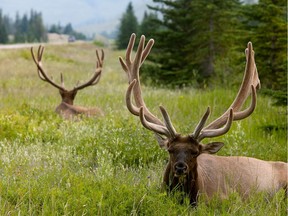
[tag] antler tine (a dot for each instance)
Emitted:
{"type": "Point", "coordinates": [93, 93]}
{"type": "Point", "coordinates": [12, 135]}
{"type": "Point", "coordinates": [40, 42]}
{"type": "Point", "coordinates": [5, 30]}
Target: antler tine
{"type": "Point", "coordinates": [160, 129]}
{"type": "Point", "coordinates": [219, 131]}
{"type": "Point", "coordinates": [201, 124]}
{"type": "Point", "coordinates": [168, 123]}
{"type": "Point", "coordinates": [62, 80]}
{"type": "Point", "coordinates": [249, 84]}
{"type": "Point", "coordinates": [96, 77]}
{"type": "Point", "coordinates": [42, 75]}
{"type": "Point", "coordinates": [133, 109]}
{"type": "Point", "coordinates": [39, 56]}
{"type": "Point", "coordinates": [132, 67]}
{"type": "Point", "coordinates": [100, 60]}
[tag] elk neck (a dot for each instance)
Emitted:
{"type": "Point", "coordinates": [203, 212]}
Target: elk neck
{"type": "Point", "coordinates": [68, 96]}
{"type": "Point", "coordinates": [187, 184]}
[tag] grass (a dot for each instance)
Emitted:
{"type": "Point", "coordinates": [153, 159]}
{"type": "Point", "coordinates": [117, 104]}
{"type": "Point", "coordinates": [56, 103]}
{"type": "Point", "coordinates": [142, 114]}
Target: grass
{"type": "Point", "coordinates": [111, 165]}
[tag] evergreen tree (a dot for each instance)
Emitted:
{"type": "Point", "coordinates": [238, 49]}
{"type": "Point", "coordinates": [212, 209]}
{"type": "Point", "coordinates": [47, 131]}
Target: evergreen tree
{"type": "Point", "coordinates": [56, 29]}
{"type": "Point", "coordinates": [3, 31]}
{"type": "Point", "coordinates": [9, 25]}
{"type": "Point", "coordinates": [149, 25]}
{"type": "Point", "coordinates": [30, 29]}
{"type": "Point", "coordinates": [128, 25]}
{"type": "Point", "coordinates": [171, 38]}
{"type": "Point", "coordinates": [195, 33]}
{"type": "Point", "coordinates": [68, 29]}
{"type": "Point", "coordinates": [18, 36]}
{"type": "Point", "coordinates": [266, 22]}
{"type": "Point", "coordinates": [37, 31]}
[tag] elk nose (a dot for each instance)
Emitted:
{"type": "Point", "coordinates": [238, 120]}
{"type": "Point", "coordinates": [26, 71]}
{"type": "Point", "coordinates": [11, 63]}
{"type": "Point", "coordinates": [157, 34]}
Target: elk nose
{"type": "Point", "coordinates": [181, 168]}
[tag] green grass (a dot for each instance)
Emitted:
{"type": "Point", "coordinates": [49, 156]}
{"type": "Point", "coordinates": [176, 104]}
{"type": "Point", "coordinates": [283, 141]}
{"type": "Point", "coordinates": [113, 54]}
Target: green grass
{"type": "Point", "coordinates": [111, 165]}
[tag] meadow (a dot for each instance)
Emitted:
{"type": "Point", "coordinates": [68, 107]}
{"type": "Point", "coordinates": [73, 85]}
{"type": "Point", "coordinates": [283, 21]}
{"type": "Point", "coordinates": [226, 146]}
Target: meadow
{"type": "Point", "coordinates": [111, 165]}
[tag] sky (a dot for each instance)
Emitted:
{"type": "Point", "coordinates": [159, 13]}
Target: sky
{"type": "Point", "coordinates": [87, 16]}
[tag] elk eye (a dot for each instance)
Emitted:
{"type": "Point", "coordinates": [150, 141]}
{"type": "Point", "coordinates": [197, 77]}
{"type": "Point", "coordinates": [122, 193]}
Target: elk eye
{"type": "Point", "coordinates": [194, 154]}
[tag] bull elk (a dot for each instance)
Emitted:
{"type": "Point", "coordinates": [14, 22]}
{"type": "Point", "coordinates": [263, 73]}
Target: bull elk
{"type": "Point", "coordinates": [192, 167]}
{"type": "Point", "coordinates": [66, 108]}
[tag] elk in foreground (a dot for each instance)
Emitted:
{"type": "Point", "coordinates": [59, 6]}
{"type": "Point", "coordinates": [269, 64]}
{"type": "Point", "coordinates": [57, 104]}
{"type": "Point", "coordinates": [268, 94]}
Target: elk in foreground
{"type": "Point", "coordinates": [192, 167]}
{"type": "Point", "coordinates": [66, 108]}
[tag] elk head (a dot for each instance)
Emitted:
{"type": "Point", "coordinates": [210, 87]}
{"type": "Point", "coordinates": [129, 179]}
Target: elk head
{"type": "Point", "coordinates": [185, 149]}
{"type": "Point", "coordinates": [67, 107]}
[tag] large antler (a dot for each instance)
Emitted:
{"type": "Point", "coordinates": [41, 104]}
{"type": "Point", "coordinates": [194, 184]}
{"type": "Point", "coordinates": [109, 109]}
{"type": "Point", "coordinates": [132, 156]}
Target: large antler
{"type": "Point", "coordinates": [249, 84]}
{"type": "Point", "coordinates": [218, 127]}
{"type": "Point", "coordinates": [95, 79]}
{"type": "Point", "coordinates": [42, 75]}
{"type": "Point", "coordinates": [132, 67]}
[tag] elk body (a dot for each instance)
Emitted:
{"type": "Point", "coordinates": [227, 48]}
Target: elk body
{"type": "Point", "coordinates": [66, 108]}
{"type": "Point", "coordinates": [192, 167]}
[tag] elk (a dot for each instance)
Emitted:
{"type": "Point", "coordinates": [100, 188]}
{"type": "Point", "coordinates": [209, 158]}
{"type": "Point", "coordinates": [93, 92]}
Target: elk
{"type": "Point", "coordinates": [192, 167]}
{"type": "Point", "coordinates": [66, 108]}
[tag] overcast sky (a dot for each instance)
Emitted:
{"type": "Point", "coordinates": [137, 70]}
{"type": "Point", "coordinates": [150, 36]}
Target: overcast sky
{"type": "Point", "coordinates": [82, 14]}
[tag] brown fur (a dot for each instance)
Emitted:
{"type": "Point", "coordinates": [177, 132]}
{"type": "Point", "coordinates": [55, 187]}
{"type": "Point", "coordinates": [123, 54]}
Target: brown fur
{"type": "Point", "coordinates": [211, 175]}
{"type": "Point", "coordinates": [68, 110]}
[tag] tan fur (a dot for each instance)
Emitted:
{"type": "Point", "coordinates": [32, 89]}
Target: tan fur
{"type": "Point", "coordinates": [68, 111]}
{"type": "Point", "coordinates": [223, 175]}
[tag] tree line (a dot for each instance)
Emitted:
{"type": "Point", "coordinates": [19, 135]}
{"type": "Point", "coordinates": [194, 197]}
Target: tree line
{"type": "Point", "coordinates": [30, 28]}
{"type": "Point", "coordinates": [201, 43]}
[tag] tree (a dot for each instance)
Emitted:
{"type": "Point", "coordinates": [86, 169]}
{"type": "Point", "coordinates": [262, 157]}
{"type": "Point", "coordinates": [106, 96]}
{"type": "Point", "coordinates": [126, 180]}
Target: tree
{"type": "Point", "coordinates": [268, 30]}
{"type": "Point", "coordinates": [18, 35]}
{"type": "Point", "coordinates": [171, 37]}
{"type": "Point", "coordinates": [128, 25]}
{"type": "Point", "coordinates": [3, 31]}
{"type": "Point", "coordinates": [194, 34]}
{"type": "Point", "coordinates": [37, 30]}
{"type": "Point", "coordinates": [68, 29]}
{"type": "Point", "coordinates": [56, 29]}
{"type": "Point", "coordinates": [149, 25]}
{"type": "Point", "coordinates": [30, 29]}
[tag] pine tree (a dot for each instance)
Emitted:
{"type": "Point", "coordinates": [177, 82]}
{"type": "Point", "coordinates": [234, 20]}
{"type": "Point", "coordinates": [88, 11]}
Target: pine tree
{"type": "Point", "coordinates": [171, 38]}
{"type": "Point", "coordinates": [128, 25]}
{"type": "Point", "coordinates": [37, 31]}
{"type": "Point", "coordinates": [18, 35]}
{"type": "Point", "coordinates": [195, 33]}
{"type": "Point", "coordinates": [268, 31]}
{"type": "Point", "coordinates": [149, 25]}
{"type": "Point", "coordinates": [3, 31]}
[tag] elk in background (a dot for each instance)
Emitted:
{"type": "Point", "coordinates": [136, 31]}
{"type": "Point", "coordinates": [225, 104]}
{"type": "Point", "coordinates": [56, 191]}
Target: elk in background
{"type": "Point", "coordinates": [66, 108]}
{"type": "Point", "coordinates": [192, 168]}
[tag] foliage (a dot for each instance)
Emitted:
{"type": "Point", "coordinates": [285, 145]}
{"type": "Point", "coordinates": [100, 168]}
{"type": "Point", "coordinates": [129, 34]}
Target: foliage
{"type": "Point", "coordinates": [194, 35]}
{"type": "Point", "coordinates": [30, 29]}
{"type": "Point", "coordinates": [112, 165]}
{"type": "Point", "coordinates": [128, 25]}
{"type": "Point", "coordinates": [201, 43]}
{"type": "Point", "coordinates": [3, 30]}
{"type": "Point", "coordinates": [68, 29]}
{"type": "Point", "coordinates": [267, 24]}
{"type": "Point", "coordinates": [149, 25]}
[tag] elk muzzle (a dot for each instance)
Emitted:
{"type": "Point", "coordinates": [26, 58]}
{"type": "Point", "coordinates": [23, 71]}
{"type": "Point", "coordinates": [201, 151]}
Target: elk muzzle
{"type": "Point", "coordinates": [180, 169]}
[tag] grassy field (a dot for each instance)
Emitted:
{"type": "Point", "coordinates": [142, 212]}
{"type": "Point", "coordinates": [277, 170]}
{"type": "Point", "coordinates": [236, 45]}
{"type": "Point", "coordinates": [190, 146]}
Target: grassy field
{"type": "Point", "coordinates": [111, 165]}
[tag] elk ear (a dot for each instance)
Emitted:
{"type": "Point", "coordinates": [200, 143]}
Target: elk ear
{"type": "Point", "coordinates": [212, 147]}
{"type": "Point", "coordinates": [163, 143]}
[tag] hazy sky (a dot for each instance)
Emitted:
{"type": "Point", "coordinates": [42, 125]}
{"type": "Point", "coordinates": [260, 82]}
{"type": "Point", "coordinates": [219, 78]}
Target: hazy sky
{"type": "Point", "coordinates": [101, 15]}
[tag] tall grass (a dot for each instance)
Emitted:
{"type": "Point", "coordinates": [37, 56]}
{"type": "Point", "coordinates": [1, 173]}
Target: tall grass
{"type": "Point", "coordinates": [111, 165]}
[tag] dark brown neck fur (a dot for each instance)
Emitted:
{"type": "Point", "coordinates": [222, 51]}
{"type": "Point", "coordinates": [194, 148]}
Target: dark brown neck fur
{"type": "Point", "coordinates": [188, 184]}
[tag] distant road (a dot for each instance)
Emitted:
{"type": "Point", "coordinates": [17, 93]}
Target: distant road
{"type": "Point", "coordinates": [17, 46]}
{"type": "Point", "coordinates": [26, 45]}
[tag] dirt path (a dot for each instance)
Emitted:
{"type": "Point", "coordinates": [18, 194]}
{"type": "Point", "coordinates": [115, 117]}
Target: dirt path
{"type": "Point", "coordinates": [17, 46]}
